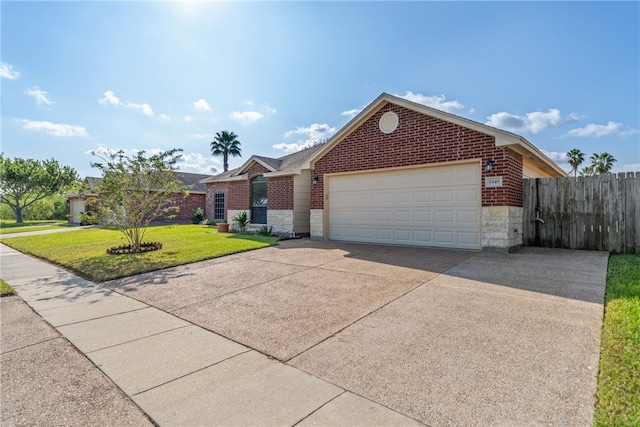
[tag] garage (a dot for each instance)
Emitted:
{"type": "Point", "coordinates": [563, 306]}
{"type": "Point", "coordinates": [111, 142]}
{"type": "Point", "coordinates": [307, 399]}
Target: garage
{"type": "Point", "coordinates": [437, 206]}
{"type": "Point", "coordinates": [76, 208]}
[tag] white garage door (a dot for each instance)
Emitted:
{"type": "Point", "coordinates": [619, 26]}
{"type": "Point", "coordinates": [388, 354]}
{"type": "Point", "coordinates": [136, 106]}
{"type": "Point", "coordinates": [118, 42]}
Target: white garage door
{"type": "Point", "coordinates": [433, 206]}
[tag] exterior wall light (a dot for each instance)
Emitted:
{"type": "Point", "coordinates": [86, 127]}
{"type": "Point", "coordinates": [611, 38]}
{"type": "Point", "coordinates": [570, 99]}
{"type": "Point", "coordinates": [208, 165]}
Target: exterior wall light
{"type": "Point", "coordinates": [315, 179]}
{"type": "Point", "coordinates": [489, 165]}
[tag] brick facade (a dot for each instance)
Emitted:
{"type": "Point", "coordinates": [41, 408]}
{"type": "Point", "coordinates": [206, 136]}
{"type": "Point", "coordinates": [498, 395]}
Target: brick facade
{"type": "Point", "coordinates": [280, 193]}
{"type": "Point", "coordinates": [187, 205]}
{"type": "Point", "coordinates": [212, 190]}
{"type": "Point", "coordinates": [420, 140]}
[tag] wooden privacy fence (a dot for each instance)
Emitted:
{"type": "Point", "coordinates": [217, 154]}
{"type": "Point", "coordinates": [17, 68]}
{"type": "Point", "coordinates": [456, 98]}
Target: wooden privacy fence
{"type": "Point", "coordinates": [600, 212]}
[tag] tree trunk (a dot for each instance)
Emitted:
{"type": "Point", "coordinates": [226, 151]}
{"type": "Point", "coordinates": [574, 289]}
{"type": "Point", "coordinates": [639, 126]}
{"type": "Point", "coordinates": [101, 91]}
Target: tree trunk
{"type": "Point", "coordinates": [225, 161]}
{"type": "Point", "coordinates": [18, 212]}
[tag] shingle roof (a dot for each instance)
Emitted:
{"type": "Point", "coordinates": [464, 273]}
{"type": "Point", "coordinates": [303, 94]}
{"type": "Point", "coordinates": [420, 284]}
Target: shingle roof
{"type": "Point", "coordinates": [191, 179]}
{"type": "Point", "coordinates": [288, 163]}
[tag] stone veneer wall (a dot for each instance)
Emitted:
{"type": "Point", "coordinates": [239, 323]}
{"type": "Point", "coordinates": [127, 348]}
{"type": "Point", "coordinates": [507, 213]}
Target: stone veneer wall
{"type": "Point", "coordinates": [502, 228]}
{"type": "Point", "coordinates": [281, 221]}
{"type": "Point", "coordinates": [317, 224]}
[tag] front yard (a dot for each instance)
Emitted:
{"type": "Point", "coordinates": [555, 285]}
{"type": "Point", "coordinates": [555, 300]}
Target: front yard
{"type": "Point", "coordinates": [85, 251]}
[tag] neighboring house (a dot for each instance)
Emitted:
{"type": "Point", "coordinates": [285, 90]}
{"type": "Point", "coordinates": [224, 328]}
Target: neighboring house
{"type": "Point", "coordinates": [397, 173]}
{"type": "Point", "coordinates": [77, 203]}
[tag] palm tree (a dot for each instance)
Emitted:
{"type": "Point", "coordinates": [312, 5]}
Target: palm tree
{"type": "Point", "coordinates": [576, 157]}
{"type": "Point", "coordinates": [226, 144]}
{"type": "Point", "coordinates": [602, 163]}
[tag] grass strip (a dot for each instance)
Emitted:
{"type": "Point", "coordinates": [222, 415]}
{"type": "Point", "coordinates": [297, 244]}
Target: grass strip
{"type": "Point", "coordinates": [85, 251]}
{"type": "Point", "coordinates": [619, 374]}
{"type": "Point", "coordinates": [5, 289]}
{"type": "Point", "coordinates": [12, 223]}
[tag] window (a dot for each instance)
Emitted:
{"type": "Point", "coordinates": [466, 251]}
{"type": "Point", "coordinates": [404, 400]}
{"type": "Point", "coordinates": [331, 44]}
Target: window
{"type": "Point", "coordinates": [218, 206]}
{"type": "Point", "coordinates": [259, 200]}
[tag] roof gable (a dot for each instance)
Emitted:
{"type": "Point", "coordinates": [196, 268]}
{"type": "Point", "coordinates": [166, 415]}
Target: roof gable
{"type": "Point", "coordinates": [502, 138]}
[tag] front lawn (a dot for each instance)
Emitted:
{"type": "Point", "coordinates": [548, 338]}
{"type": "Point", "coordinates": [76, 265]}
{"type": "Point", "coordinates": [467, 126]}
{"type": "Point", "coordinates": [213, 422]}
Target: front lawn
{"type": "Point", "coordinates": [23, 229]}
{"type": "Point", "coordinates": [85, 251]}
{"type": "Point", "coordinates": [7, 223]}
{"type": "Point", "coordinates": [619, 375]}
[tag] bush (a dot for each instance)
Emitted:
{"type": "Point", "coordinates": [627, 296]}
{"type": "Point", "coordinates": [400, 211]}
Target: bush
{"type": "Point", "coordinates": [265, 231]}
{"type": "Point", "coordinates": [197, 216]}
{"type": "Point", "coordinates": [88, 218]}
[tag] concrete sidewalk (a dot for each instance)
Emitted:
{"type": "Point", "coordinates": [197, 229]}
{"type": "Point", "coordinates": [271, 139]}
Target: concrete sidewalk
{"type": "Point", "coordinates": [33, 231]}
{"type": "Point", "coordinates": [176, 372]}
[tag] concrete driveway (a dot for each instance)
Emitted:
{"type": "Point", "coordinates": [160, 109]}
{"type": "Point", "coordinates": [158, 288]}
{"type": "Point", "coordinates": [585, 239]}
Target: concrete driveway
{"type": "Point", "coordinates": [446, 337]}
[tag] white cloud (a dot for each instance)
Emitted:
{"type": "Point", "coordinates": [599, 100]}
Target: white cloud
{"type": "Point", "coordinates": [57, 129]}
{"type": "Point", "coordinates": [632, 167]}
{"type": "Point", "coordinates": [534, 122]}
{"type": "Point", "coordinates": [165, 117]}
{"type": "Point", "coordinates": [111, 98]}
{"type": "Point", "coordinates": [201, 105]}
{"type": "Point", "coordinates": [201, 136]}
{"type": "Point", "coordinates": [315, 131]}
{"type": "Point", "coordinates": [146, 108]}
{"type": "Point", "coordinates": [247, 117]}
{"type": "Point", "coordinates": [556, 156]}
{"type": "Point", "coordinates": [436, 101]}
{"type": "Point", "coordinates": [593, 130]}
{"type": "Point", "coordinates": [198, 163]}
{"type": "Point", "coordinates": [39, 95]}
{"type": "Point", "coordinates": [350, 113]}
{"type": "Point", "coordinates": [293, 147]}
{"type": "Point", "coordinates": [188, 162]}
{"type": "Point", "coordinates": [188, 119]}
{"type": "Point", "coordinates": [7, 72]}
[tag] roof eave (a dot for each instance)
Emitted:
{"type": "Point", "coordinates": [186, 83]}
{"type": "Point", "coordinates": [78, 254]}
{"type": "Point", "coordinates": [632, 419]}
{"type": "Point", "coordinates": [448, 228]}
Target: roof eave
{"type": "Point", "coordinates": [224, 179]}
{"type": "Point", "coordinates": [531, 153]}
{"type": "Point", "coordinates": [283, 173]}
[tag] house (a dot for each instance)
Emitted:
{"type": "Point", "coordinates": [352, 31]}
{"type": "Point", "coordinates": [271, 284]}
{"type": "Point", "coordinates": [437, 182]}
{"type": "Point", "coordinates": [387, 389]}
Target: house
{"type": "Point", "coordinates": [77, 202]}
{"type": "Point", "coordinates": [398, 173]}
{"type": "Point", "coordinates": [275, 192]}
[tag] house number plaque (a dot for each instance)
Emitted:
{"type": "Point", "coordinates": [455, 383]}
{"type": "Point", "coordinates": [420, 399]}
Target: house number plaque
{"type": "Point", "coordinates": [493, 181]}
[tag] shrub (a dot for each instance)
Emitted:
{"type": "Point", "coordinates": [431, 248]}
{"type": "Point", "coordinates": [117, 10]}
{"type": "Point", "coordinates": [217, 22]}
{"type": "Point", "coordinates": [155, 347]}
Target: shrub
{"type": "Point", "coordinates": [265, 231]}
{"type": "Point", "coordinates": [197, 216]}
{"type": "Point", "coordinates": [242, 219]}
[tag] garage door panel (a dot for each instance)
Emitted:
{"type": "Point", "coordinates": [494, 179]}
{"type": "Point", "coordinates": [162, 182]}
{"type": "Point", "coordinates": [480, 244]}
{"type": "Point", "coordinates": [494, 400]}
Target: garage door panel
{"type": "Point", "coordinates": [468, 217]}
{"type": "Point", "coordinates": [467, 195]}
{"type": "Point", "coordinates": [422, 216]}
{"type": "Point", "coordinates": [432, 206]}
{"type": "Point", "coordinates": [444, 217]}
{"type": "Point", "coordinates": [444, 237]}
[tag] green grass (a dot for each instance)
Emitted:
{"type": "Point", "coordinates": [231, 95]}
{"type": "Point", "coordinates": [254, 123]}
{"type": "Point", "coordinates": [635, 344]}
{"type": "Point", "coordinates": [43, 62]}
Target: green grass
{"type": "Point", "coordinates": [13, 230]}
{"type": "Point", "coordinates": [85, 251]}
{"type": "Point", "coordinates": [619, 375]}
{"type": "Point", "coordinates": [12, 223]}
{"type": "Point", "coordinates": [5, 289]}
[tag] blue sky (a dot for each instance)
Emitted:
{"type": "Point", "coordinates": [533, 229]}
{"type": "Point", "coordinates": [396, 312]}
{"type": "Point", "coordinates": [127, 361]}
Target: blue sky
{"type": "Point", "coordinates": [84, 76]}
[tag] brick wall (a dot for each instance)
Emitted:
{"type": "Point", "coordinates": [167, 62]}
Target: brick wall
{"type": "Point", "coordinates": [280, 193]}
{"type": "Point", "coordinates": [187, 205]}
{"type": "Point", "coordinates": [212, 189]}
{"type": "Point", "coordinates": [419, 140]}
{"type": "Point", "coordinates": [240, 191]}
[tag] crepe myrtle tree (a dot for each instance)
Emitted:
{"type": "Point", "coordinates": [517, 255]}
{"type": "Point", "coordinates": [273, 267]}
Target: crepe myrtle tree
{"type": "Point", "coordinates": [137, 190]}
{"type": "Point", "coordinates": [26, 181]}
